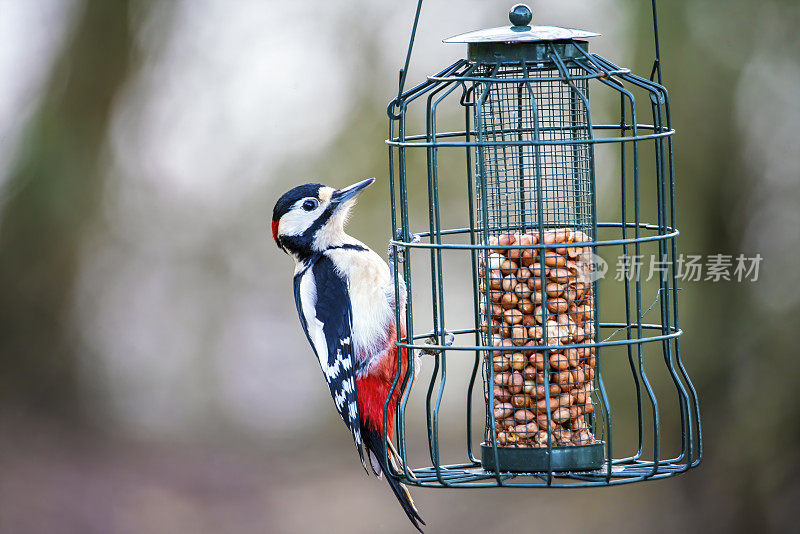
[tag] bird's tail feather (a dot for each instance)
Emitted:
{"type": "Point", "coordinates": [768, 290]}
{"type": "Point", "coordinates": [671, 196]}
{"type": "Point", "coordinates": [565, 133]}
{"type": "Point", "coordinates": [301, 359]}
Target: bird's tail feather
{"type": "Point", "coordinates": [374, 442]}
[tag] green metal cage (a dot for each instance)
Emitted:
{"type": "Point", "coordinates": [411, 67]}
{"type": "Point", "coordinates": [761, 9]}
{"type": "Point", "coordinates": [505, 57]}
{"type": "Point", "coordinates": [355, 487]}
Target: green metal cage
{"type": "Point", "coordinates": [542, 352]}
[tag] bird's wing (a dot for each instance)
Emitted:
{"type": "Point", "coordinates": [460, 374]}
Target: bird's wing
{"type": "Point", "coordinates": [324, 307]}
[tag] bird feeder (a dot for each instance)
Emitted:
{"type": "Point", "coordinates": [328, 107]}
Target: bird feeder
{"type": "Point", "coordinates": [560, 350]}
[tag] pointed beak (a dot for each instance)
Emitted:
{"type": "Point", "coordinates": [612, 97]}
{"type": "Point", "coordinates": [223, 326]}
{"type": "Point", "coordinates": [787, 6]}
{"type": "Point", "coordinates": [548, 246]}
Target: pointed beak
{"type": "Point", "coordinates": [343, 195]}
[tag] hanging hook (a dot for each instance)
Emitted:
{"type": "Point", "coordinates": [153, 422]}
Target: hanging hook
{"type": "Point", "coordinates": [657, 62]}
{"type": "Point", "coordinates": [404, 70]}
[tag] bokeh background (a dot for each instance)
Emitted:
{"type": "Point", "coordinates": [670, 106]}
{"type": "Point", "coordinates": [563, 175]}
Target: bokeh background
{"type": "Point", "coordinates": [153, 375]}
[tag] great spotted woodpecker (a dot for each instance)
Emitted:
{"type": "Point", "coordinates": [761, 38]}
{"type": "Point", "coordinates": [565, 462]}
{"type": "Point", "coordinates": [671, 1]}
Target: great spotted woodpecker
{"type": "Point", "coordinates": [344, 293]}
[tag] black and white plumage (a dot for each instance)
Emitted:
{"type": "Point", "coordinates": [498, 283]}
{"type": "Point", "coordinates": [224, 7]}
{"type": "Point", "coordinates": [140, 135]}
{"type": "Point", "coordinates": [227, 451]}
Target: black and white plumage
{"type": "Point", "coordinates": [326, 319]}
{"type": "Point", "coordinates": [344, 293]}
{"type": "Point", "coordinates": [300, 216]}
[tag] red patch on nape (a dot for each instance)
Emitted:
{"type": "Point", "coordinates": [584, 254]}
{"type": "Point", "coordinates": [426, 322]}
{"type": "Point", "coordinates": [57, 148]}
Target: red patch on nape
{"type": "Point", "coordinates": [275, 231]}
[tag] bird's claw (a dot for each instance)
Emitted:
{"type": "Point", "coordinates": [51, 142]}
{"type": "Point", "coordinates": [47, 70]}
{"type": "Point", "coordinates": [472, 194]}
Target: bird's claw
{"type": "Point", "coordinates": [450, 339]}
{"type": "Point", "coordinates": [396, 459]}
{"type": "Point", "coordinates": [398, 236]}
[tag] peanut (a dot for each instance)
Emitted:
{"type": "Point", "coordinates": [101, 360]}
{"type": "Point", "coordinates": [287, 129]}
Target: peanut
{"type": "Point", "coordinates": [508, 300]}
{"type": "Point", "coordinates": [528, 257]}
{"type": "Point", "coordinates": [572, 357]}
{"type": "Point", "coordinates": [559, 362]}
{"type": "Point", "coordinates": [558, 305]}
{"type": "Point", "coordinates": [500, 394]}
{"type": "Point", "coordinates": [519, 335]}
{"type": "Point", "coordinates": [506, 240]}
{"type": "Point", "coordinates": [508, 267]}
{"type": "Point", "coordinates": [529, 387]}
{"type": "Point", "coordinates": [535, 283]}
{"type": "Point", "coordinates": [520, 401]}
{"type": "Point", "coordinates": [553, 259]}
{"type": "Point", "coordinates": [512, 316]}
{"type": "Point", "coordinates": [518, 361]}
{"type": "Point", "coordinates": [505, 329]}
{"type": "Point", "coordinates": [509, 283]}
{"type": "Point", "coordinates": [536, 332]}
{"type": "Point", "coordinates": [560, 276]}
{"type": "Point", "coordinates": [537, 359]}
{"type": "Point", "coordinates": [529, 372]}
{"type": "Point", "coordinates": [503, 410]}
{"type": "Point", "coordinates": [525, 305]}
{"type": "Point", "coordinates": [501, 379]}
{"type": "Point", "coordinates": [515, 382]}
{"type": "Point", "coordinates": [561, 414]}
{"type": "Point", "coordinates": [524, 416]}
{"type": "Point", "coordinates": [554, 289]}
{"type": "Point", "coordinates": [522, 290]}
{"type": "Point", "coordinates": [506, 344]}
{"type": "Point", "coordinates": [500, 363]}
{"type": "Point", "coordinates": [563, 379]}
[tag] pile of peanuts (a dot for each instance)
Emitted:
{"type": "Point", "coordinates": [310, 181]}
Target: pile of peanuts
{"type": "Point", "coordinates": [522, 307]}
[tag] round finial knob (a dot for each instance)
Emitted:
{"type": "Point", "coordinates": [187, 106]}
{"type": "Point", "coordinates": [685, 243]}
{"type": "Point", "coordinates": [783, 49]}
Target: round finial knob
{"type": "Point", "coordinates": [520, 15]}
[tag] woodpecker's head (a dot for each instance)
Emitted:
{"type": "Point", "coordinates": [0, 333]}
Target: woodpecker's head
{"type": "Point", "coordinates": [311, 217]}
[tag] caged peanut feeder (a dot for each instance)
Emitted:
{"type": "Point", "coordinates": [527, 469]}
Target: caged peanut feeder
{"type": "Point", "coordinates": [559, 350]}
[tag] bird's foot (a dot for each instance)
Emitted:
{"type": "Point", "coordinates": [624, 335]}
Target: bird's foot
{"type": "Point", "coordinates": [396, 460]}
{"type": "Point", "coordinates": [398, 236]}
{"type": "Point", "coordinates": [449, 340]}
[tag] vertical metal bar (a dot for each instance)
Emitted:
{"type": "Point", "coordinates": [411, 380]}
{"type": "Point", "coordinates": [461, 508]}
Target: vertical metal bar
{"type": "Point", "coordinates": [436, 286]}
{"type": "Point", "coordinates": [474, 265]}
{"type": "Point", "coordinates": [400, 426]}
{"type": "Point", "coordinates": [683, 398]}
{"type": "Point", "coordinates": [627, 284]}
{"type": "Point", "coordinates": [638, 292]}
{"type": "Point", "coordinates": [404, 70]}
{"type": "Point", "coordinates": [437, 234]}
{"type": "Point", "coordinates": [481, 180]}
{"type": "Point", "coordinates": [406, 236]}
{"type": "Point", "coordinates": [657, 62]}
{"type": "Point", "coordinates": [673, 223]}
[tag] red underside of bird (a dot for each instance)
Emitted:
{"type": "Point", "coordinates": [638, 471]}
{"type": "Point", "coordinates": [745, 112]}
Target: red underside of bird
{"type": "Point", "coordinates": [373, 389]}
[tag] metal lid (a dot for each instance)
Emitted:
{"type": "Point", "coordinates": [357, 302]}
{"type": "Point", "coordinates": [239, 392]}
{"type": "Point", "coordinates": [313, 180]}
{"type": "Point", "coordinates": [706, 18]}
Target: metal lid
{"type": "Point", "coordinates": [520, 31]}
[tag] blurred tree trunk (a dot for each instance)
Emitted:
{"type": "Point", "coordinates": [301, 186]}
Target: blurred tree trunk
{"type": "Point", "coordinates": [53, 193]}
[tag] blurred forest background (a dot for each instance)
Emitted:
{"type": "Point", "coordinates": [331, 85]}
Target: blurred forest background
{"type": "Point", "coordinates": [153, 375]}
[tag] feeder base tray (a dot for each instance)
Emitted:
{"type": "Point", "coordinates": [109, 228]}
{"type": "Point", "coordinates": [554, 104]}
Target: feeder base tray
{"type": "Point", "coordinates": [534, 459]}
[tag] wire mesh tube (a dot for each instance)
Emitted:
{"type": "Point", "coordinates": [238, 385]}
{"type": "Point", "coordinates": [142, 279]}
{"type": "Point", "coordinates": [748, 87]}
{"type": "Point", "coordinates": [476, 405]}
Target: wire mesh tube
{"type": "Point", "coordinates": [536, 297]}
{"type": "Point", "coordinates": [513, 178]}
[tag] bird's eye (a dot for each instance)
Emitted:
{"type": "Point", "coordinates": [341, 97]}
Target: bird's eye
{"type": "Point", "coordinates": [310, 204]}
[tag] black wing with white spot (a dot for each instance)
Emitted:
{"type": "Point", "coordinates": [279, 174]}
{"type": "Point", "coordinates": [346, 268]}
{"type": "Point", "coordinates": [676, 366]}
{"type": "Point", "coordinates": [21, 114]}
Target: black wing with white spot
{"type": "Point", "coordinates": [323, 304]}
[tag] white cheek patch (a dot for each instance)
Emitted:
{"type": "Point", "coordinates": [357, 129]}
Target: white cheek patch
{"type": "Point", "coordinates": [297, 220]}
